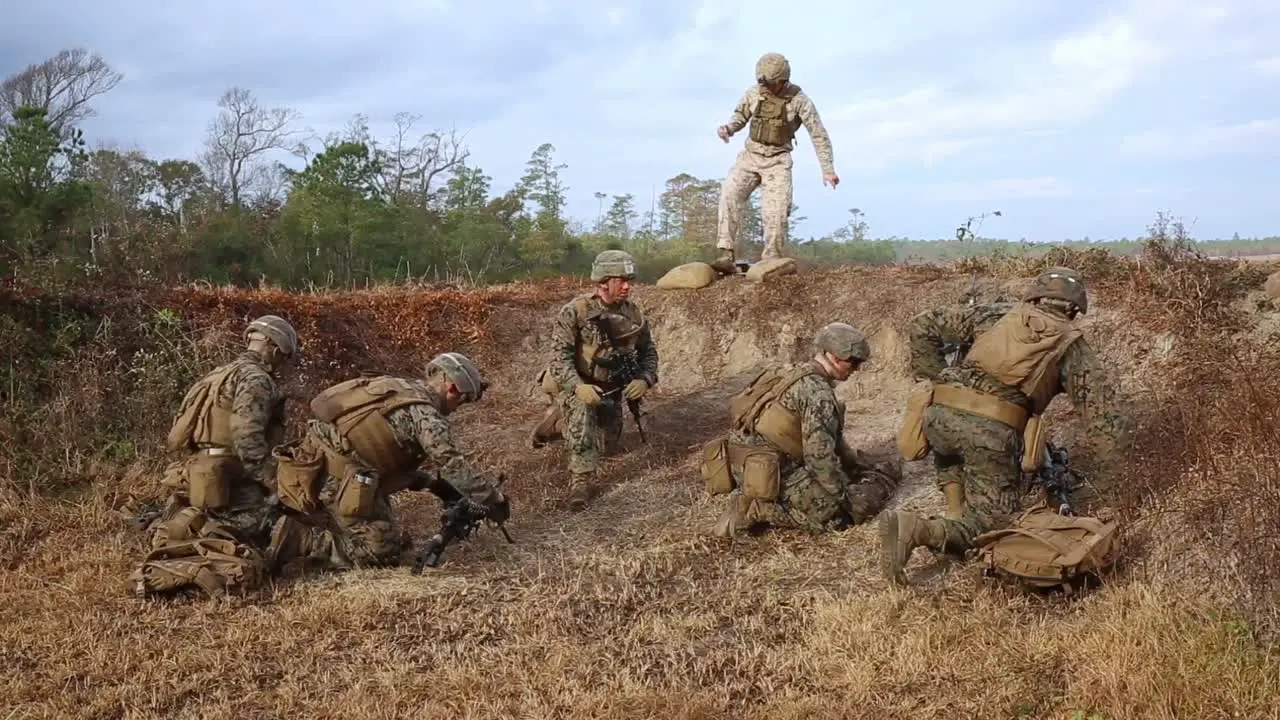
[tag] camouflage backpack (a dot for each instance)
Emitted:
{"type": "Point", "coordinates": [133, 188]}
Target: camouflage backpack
{"type": "Point", "coordinates": [1043, 549]}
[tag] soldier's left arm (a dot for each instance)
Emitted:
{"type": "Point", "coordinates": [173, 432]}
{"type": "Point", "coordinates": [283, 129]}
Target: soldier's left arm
{"type": "Point", "coordinates": [432, 433]}
{"type": "Point", "coordinates": [808, 114]}
{"type": "Point", "coordinates": [820, 424]}
{"type": "Point", "coordinates": [252, 405]}
{"type": "Point", "coordinates": [647, 354]}
{"type": "Point", "coordinates": [1094, 395]}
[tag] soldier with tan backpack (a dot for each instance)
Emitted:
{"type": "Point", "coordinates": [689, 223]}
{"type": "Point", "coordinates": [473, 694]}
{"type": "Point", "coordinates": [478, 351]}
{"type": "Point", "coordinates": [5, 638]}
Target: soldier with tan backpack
{"type": "Point", "coordinates": [981, 421]}
{"type": "Point", "coordinates": [212, 532]}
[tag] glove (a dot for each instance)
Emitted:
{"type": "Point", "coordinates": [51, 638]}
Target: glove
{"type": "Point", "coordinates": [589, 394]}
{"type": "Point", "coordinates": [636, 388]}
{"type": "Point", "coordinates": [500, 511]}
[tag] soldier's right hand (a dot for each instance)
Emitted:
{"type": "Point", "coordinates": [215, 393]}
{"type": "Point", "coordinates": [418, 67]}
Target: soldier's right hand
{"type": "Point", "coordinates": [587, 393]}
{"type": "Point", "coordinates": [723, 132]}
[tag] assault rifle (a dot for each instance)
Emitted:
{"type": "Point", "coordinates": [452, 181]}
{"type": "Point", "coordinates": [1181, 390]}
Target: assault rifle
{"type": "Point", "coordinates": [460, 518]}
{"type": "Point", "coordinates": [622, 365]}
{"type": "Point", "coordinates": [1055, 477]}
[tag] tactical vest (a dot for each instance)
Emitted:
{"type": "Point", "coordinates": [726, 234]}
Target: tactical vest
{"type": "Point", "coordinates": [756, 409]}
{"type": "Point", "coordinates": [358, 408]}
{"type": "Point", "coordinates": [202, 421]}
{"type": "Point", "coordinates": [1023, 349]}
{"type": "Point", "coordinates": [769, 124]}
{"type": "Point", "coordinates": [625, 322]}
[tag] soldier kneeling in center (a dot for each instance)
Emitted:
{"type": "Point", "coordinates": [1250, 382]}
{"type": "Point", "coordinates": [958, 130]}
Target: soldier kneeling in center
{"type": "Point", "coordinates": [785, 462]}
{"type": "Point", "coordinates": [369, 435]}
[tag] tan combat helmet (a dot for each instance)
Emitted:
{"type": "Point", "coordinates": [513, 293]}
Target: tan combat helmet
{"type": "Point", "coordinates": [461, 372]}
{"type": "Point", "coordinates": [277, 330]}
{"type": "Point", "coordinates": [613, 263]}
{"type": "Point", "coordinates": [844, 341]}
{"type": "Point", "coordinates": [1060, 283]}
{"type": "Point", "coordinates": [772, 68]}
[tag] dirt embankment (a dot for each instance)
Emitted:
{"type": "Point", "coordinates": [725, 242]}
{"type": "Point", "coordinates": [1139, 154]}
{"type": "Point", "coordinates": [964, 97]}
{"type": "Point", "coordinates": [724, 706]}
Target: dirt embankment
{"type": "Point", "coordinates": [630, 609]}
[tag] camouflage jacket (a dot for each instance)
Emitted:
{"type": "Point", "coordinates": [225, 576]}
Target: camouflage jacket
{"type": "Point", "coordinates": [813, 400]}
{"type": "Point", "coordinates": [1081, 374]}
{"type": "Point", "coordinates": [422, 428]}
{"type": "Point", "coordinates": [800, 110]}
{"type": "Point", "coordinates": [570, 330]}
{"type": "Point", "coordinates": [257, 414]}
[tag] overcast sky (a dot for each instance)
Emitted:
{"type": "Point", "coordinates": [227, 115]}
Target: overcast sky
{"type": "Point", "coordinates": [1080, 118]}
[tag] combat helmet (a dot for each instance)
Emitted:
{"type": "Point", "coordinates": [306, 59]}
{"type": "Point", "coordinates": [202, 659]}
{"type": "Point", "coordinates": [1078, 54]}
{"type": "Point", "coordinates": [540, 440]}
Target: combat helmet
{"type": "Point", "coordinates": [613, 263]}
{"type": "Point", "coordinates": [1060, 283]}
{"type": "Point", "coordinates": [461, 372]}
{"type": "Point", "coordinates": [277, 330]}
{"type": "Point", "coordinates": [772, 68]}
{"type": "Point", "coordinates": [844, 341]}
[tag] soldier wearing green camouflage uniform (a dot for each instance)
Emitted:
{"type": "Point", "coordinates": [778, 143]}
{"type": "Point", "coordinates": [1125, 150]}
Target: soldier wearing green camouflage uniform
{"type": "Point", "coordinates": [227, 424]}
{"type": "Point", "coordinates": [368, 438]}
{"type": "Point", "coordinates": [824, 484]}
{"type": "Point", "coordinates": [587, 404]}
{"type": "Point", "coordinates": [1020, 357]}
{"type": "Point", "coordinates": [776, 109]}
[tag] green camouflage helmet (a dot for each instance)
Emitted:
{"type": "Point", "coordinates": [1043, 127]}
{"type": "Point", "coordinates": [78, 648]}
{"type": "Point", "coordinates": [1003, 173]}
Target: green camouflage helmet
{"type": "Point", "coordinates": [613, 263]}
{"type": "Point", "coordinates": [460, 371]}
{"type": "Point", "coordinates": [277, 330]}
{"type": "Point", "coordinates": [772, 68]}
{"type": "Point", "coordinates": [844, 341]}
{"type": "Point", "coordinates": [1060, 283]}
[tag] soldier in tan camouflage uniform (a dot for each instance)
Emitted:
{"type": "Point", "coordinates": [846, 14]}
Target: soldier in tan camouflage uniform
{"type": "Point", "coordinates": [227, 423]}
{"type": "Point", "coordinates": [1020, 357]}
{"type": "Point", "coordinates": [776, 109]}
{"type": "Point", "coordinates": [785, 457]}
{"type": "Point", "coordinates": [587, 403]}
{"type": "Point", "coordinates": [369, 435]}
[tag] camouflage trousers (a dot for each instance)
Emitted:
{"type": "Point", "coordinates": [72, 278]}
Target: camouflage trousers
{"type": "Point", "coordinates": [590, 432]}
{"type": "Point", "coordinates": [246, 516]}
{"type": "Point", "coordinates": [772, 174]}
{"type": "Point", "coordinates": [982, 455]}
{"type": "Point", "coordinates": [805, 504]}
{"type": "Point", "coordinates": [340, 542]}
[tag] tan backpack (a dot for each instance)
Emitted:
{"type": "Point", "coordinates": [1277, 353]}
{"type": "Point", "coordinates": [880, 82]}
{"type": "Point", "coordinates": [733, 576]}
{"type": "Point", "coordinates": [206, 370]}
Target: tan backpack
{"type": "Point", "coordinates": [214, 566]}
{"type": "Point", "coordinates": [1043, 549]}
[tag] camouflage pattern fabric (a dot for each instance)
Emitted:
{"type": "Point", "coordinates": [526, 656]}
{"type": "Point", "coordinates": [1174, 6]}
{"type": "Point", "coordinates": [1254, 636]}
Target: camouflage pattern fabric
{"type": "Point", "coordinates": [378, 540]}
{"type": "Point", "coordinates": [767, 167]}
{"type": "Point", "coordinates": [589, 432]}
{"type": "Point", "coordinates": [256, 419]}
{"type": "Point", "coordinates": [983, 454]}
{"type": "Point", "coordinates": [817, 495]}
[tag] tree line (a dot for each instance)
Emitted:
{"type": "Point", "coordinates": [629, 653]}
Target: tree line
{"type": "Point", "coordinates": [361, 209]}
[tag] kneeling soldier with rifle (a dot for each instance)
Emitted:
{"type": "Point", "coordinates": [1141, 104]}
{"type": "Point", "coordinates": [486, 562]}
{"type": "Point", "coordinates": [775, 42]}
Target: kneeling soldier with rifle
{"type": "Point", "coordinates": [369, 435]}
{"type": "Point", "coordinates": [602, 350]}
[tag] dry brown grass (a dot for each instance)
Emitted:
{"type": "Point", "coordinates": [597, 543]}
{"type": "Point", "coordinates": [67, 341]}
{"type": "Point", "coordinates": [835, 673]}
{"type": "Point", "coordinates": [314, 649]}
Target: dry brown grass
{"type": "Point", "coordinates": [630, 609]}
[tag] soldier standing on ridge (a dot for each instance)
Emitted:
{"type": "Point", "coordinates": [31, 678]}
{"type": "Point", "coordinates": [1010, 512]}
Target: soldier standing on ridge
{"type": "Point", "coordinates": [776, 109]}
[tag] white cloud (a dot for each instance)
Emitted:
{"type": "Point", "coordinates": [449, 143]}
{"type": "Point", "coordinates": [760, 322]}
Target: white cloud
{"type": "Point", "coordinates": [1256, 137]}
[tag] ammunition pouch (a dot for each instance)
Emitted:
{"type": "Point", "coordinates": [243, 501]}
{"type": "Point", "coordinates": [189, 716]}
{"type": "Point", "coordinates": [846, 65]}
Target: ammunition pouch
{"type": "Point", "coordinates": [913, 444]}
{"type": "Point", "coordinates": [717, 473]}
{"type": "Point", "coordinates": [954, 494]}
{"type": "Point", "coordinates": [357, 495]}
{"type": "Point", "coordinates": [209, 477]}
{"type": "Point", "coordinates": [981, 404]}
{"type": "Point", "coordinates": [761, 475]}
{"type": "Point", "coordinates": [181, 526]}
{"type": "Point", "coordinates": [1034, 438]}
{"type": "Point", "coordinates": [299, 475]}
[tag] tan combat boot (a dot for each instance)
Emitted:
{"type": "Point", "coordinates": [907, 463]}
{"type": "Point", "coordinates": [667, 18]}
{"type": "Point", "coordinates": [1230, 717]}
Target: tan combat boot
{"type": "Point", "coordinates": [724, 264]}
{"type": "Point", "coordinates": [900, 533]}
{"type": "Point", "coordinates": [582, 489]}
{"type": "Point", "coordinates": [547, 430]}
{"type": "Point", "coordinates": [735, 516]}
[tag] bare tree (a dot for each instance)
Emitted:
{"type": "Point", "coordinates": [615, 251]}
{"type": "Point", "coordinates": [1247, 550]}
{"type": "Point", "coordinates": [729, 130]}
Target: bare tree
{"type": "Point", "coordinates": [241, 133]}
{"type": "Point", "coordinates": [62, 86]}
{"type": "Point", "coordinates": [412, 165]}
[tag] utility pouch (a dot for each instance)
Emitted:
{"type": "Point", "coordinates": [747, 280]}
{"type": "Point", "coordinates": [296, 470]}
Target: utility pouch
{"type": "Point", "coordinates": [761, 476]}
{"type": "Point", "coordinates": [209, 479]}
{"type": "Point", "coordinates": [357, 494]}
{"type": "Point", "coordinates": [913, 444]}
{"type": "Point", "coordinates": [717, 475]}
{"type": "Point", "coordinates": [299, 471]}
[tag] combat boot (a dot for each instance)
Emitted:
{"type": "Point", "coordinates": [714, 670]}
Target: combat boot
{"type": "Point", "coordinates": [582, 489]}
{"type": "Point", "coordinates": [736, 515]}
{"type": "Point", "coordinates": [725, 264]}
{"type": "Point", "coordinates": [900, 533]}
{"type": "Point", "coordinates": [547, 430]}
